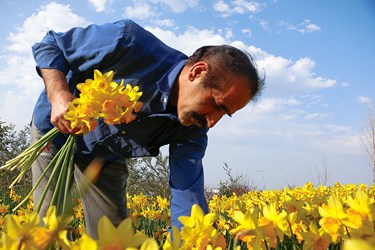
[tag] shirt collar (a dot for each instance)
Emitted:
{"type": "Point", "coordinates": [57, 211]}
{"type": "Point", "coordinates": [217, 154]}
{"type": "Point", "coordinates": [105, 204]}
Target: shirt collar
{"type": "Point", "coordinates": [166, 83]}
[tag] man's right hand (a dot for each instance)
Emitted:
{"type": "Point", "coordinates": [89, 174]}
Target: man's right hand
{"type": "Point", "coordinates": [59, 96]}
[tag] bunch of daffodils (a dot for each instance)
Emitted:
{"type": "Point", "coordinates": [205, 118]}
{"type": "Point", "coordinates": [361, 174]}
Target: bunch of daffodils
{"type": "Point", "coordinates": [99, 98]}
{"type": "Point", "coordinates": [102, 98]}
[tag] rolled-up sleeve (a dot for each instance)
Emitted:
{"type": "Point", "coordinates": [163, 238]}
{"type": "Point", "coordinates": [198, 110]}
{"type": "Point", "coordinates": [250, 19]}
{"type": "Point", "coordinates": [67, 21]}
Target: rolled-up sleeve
{"type": "Point", "coordinates": [81, 49]}
{"type": "Point", "coordinates": [48, 55]}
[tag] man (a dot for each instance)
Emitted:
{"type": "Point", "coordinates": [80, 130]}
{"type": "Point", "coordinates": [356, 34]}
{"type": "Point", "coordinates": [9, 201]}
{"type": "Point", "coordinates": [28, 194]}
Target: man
{"type": "Point", "coordinates": [182, 98]}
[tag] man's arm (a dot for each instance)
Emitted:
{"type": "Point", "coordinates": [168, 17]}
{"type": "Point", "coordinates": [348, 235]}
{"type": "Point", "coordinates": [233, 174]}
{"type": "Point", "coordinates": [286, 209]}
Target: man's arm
{"type": "Point", "coordinates": [77, 50]}
{"type": "Point", "coordinates": [186, 175]}
{"type": "Point", "coordinates": [59, 96]}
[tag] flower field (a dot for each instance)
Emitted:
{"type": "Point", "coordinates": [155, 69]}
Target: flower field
{"type": "Point", "coordinates": [307, 217]}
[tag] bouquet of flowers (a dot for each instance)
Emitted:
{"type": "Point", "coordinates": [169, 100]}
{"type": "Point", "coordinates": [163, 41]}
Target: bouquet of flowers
{"type": "Point", "coordinates": [100, 98]}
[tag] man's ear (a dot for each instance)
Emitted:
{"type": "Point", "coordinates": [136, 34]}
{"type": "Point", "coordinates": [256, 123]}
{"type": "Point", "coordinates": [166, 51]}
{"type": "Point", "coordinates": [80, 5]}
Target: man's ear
{"type": "Point", "coordinates": [199, 69]}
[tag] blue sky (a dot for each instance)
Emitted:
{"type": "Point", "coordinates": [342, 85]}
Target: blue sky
{"type": "Point", "coordinates": [317, 57]}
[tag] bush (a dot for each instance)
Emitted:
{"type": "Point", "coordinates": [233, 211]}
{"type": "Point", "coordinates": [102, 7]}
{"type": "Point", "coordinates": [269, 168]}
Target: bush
{"type": "Point", "coordinates": [12, 143]}
{"type": "Point", "coordinates": [149, 175]}
{"type": "Point", "coordinates": [234, 184]}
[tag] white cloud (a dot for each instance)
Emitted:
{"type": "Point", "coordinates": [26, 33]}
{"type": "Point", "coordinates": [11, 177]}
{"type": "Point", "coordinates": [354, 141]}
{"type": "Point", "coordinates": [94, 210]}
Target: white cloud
{"type": "Point", "coordinates": [100, 5]}
{"type": "Point", "coordinates": [178, 41]}
{"type": "Point", "coordinates": [268, 105]}
{"type": "Point", "coordinates": [247, 32]}
{"type": "Point", "coordinates": [364, 99]}
{"type": "Point", "coordinates": [345, 84]}
{"type": "Point", "coordinates": [20, 85]}
{"type": "Point", "coordinates": [51, 16]}
{"type": "Point", "coordinates": [312, 100]}
{"type": "Point", "coordinates": [222, 7]}
{"type": "Point", "coordinates": [140, 11]}
{"type": "Point", "coordinates": [310, 27]}
{"type": "Point", "coordinates": [179, 5]}
{"type": "Point", "coordinates": [164, 22]}
{"type": "Point", "coordinates": [236, 7]}
{"type": "Point", "coordinates": [305, 27]}
{"type": "Point", "coordinates": [302, 70]}
{"type": "Point", "coordinates": [273, 122]}
{"type": "Point", "coordinates": [284, 109]}
{"type": "Point", "coordinates": [228, 34]}
{"type": "Point", "coordinates": [287, 77]}
{"type": "Point", "coordinates": [333, 128]}
{"type": "Point", "coordinates": [312, 115]}
{"type": "Point", "coordinates": [273, 105]}
{"type": "Point", "coordinates": [292, 101]}
{"type": "Point", "coordinates": [250, 6]}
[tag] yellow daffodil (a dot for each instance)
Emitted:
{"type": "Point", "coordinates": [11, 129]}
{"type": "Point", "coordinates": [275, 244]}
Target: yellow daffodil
{"type": "Point", "coordinates": [14, 196]}
{"type": "Point", "coordinates": [81, 116]}
{"type": "Point", "coordinates": [274, 223]}
{"type": "Point", "coordinates": [7, 243]}
{"type": "Point", "coordinates": [223, 224]}
{"type": "Point", "coordinates": [361, 209]}
{"type": "Point", "coordinates": [149, 244]}
{"type": "Point", "coordinates": [296, 225]}
{"type": "Point", "coordinates": [198, 228]}
{"type": "Point", "coordinates": [121, 237]}
{"type": "Point", "coordinates": [102, 98]}
{"type": "Point", "coordinates": [253, 219]}
{"type": "Point", "coordinates": [173, 241]}
{"type": "Point", "coordinates": [23, 232]}
{"type": "Point", "coordinates": [84, 242]}
{"type": "Point", "coordinates": [4, 208]}
{"type": "Point", "coordinates": [333, 218]}
{"type": "Point", "coordinates": [357, 244]}
{"type": "Point", "coordinates": [163, 203]}
{"type": "Point", "coordinates": [53, 226]}
{"type": "Point", "coordinates": [315, 239]}
{"type": "Point", "coordinates": [2, 222]}
{"type": "Point", "coordinates": [248, 229]}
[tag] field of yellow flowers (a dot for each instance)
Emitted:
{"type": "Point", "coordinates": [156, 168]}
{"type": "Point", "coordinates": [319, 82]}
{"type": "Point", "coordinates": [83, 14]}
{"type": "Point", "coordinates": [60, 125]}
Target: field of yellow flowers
{"type": "Point", "coordinates": [306, 217]}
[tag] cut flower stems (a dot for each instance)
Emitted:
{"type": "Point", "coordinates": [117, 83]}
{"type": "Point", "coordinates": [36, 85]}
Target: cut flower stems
{"type": "Point", "coordinates": [100, 98]}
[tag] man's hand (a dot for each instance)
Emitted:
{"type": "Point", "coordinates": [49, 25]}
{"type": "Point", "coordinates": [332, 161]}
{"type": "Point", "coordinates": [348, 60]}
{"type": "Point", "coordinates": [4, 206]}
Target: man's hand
{"type": "Point", "coordinates": [59, 96]}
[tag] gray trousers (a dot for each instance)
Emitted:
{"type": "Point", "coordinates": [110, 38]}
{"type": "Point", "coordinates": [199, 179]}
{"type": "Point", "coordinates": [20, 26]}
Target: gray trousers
{"type": "Point", "coordinates": [107, 196]}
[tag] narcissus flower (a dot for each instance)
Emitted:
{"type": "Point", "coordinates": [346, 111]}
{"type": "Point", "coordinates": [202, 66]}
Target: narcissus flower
{"type": "Point", "coordinates": [21, 233]}
{"type": "Point", "coordinates": [248, 229]}
{"type": "Point", "coordinates": [333, 218]}
{"type": "Point", "coordinates": [361, 209]}
{"type": "Point", "coordinates": [121, 237]}
{"type": "Point", "coordinates": [102, 98]}
{"type": "Point", "coordinates": [198, 229]}
{"type": "Point", "coordinates": [315, 238]}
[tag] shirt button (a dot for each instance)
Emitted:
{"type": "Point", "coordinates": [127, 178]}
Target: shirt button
{"type": "Point", "coordinates": [123, 132]}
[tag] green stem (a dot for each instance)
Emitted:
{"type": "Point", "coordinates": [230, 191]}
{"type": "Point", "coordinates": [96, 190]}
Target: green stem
{"type": "Point", "coordinates": [72, 147]}
{"type": "Point", "coordinates": [57, 159]}
{"type": "Point", "coordinates": [36, 184]}
{"type": "Point", "coordinates": [56, 200]}
{"type": "Point", "coordinates": [62, 164]}
{"type": "Point", "coordinates": [32, 150]}
{"type": "Point", "coordinates": [24, 166]}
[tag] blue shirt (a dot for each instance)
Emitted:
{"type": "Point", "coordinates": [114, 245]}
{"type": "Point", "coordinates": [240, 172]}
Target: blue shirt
{"type": "Point", "coordinates": [139, 58]}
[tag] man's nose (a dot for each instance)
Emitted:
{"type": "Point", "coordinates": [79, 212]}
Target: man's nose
{"type": "Point", "coordinates": [213, 118]}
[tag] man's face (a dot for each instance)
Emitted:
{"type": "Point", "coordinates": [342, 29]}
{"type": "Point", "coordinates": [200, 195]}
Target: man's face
{"type": "Point", "coordinates": [204, 107]}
